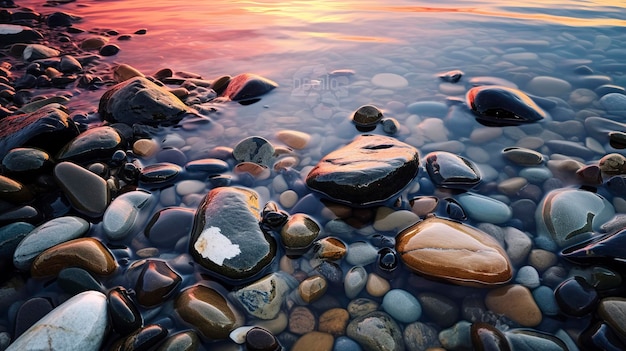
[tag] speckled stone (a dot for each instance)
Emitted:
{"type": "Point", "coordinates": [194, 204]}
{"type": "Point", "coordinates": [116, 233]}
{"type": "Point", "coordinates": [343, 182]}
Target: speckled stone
{"type": "Point", "coordinates": [312, 288]}
{"type": "Point", "coordinates": [468, 256]}
{"type": "Point", "coordinates": [208, 311]}
{"type": "Point", "coordinates": [330, 248]}
{"type": "Point", "coordinates": [264, 298]}
{"type": "Point", "coordinates": [301, 320]}
{"type": "Point", "coordinates": [361, 306]}
{"type": "Point", "coordinates": [334, 321]}
{"type": "Point", "coordinates": [420, 336]}
{"type": "Point", "coordinates": [254, 149]}
{"type": "Point", "coordinates": [376, 331]}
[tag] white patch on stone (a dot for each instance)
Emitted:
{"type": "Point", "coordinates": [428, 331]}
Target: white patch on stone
{"type": "Point", "coordinates": [215, 246]}
{"type": "Point", "coordinates": [10, 29]}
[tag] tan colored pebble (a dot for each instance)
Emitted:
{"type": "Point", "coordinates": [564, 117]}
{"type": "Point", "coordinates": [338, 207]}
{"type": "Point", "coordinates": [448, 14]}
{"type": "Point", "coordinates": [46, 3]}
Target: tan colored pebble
{"type": "Point", "coordinates": [524, 310]}
{"type": "Point", "coordinates": [334, 321]}
{"type": "Point", "coordinates": [483, 135]}
{"type": "Point", "coordinates": [376, 285]}
{"type": "Point", "coordinates": [613, 164]}
{"type": "Point", "coordinates": [287, 265]}
{"type": "Point", "coordinates": [256, 170]}
{"type": "Point", "coordinates": [541, 259]}
{"type": "Point", "coordinates": [389, 219]}
{"type": "Point", "coordinates": [93, 43]}
{"type": "Point", "coordinates": [288, 198]}
{"type": "Point", "coordinates": [285, 163]}
{"type": "Point", "coordinates": [312, 288]}
{"type": "Point", "coordinates": [315, 341]}
{"type": "Point", "coordinates": [52, 72]}
{"type": "Point", "coordinates": [424, 205]}
{"type": "Point", "coordinates": [145, 147]}
{"type": "Point", "coordinates": [293, 138]}
{"type": "Point", "coordinates": [530, 142]}
{"type": "Point", "coordinates": [512, 186]}
{"type": "Point", "coordinates": [338, 210]}
{"type": "Point", "coordinates": [124, 72]}
{"type": "Point", "coordinates": [301, 320]}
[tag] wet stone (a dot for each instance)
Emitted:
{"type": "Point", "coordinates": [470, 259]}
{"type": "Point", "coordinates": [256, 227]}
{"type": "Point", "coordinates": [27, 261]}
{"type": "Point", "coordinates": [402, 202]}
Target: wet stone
{"type": "Point", "coordinates": [74, 280]}
{"type": "Point", "coordinates": [48, 128]}
{"type": "Point", "coordinates": [314, 341]}
{"type": "Point", "coordinates": [376, 331]}
{"type": "Point", "coordinates": [467, 256]}
{"type": "Point", "coordinates": [248, 86]}
{"type": "Point", "coordinates": [367, 117]}
{"type": "Point", "coordinates": [34, 52]}
{"type": "Point", "coordinates": [527, 340]}
{"type": "Point", "coordinates": [568, 216]}
{"type": "Point", "coordinates": [457, 337]}
{"type": "Point", "coordinates": [30, 312]}
{"type": "Point", "coordinates": [503, 106]}
{"type": "Point", "coordinates": [299, 233]}
{"type": "Point", "coordinates": [142, 339]}
{"type": "Point", "coordinates": [183, 341]}
{"type": "Point", "coordinates": [447, 170]}
{"type": "Point", "coordinates": [524, 311]}
{"type": "Point", "coordinates": [87, 192]}
{"type": "Point", "coordinates": [576, 297]}
{"type": "Point", "coordinates": [439, 308]}
{"type": "Point", "coordinates": [614, 103]}
{"type": "Point", "coordinates": [208, 311]}
{"type": "Point", "coordinates": [11, 235]}
{"type": "Point", "coordinates": [25, 163]}
{"type": "Point", "coordinates": [259, 339]}
{"type": "Point", "coordinates": [125, 317]}
{"type": "Point", "coordinates": [334, 321]}
{"type": "Point", "coordinates": [601, 337]}
{"type": "Point", "coordinates": [79, 323]}
{"type": "Point", "coordinates": [613, 164]}
{"type": "Point", "coordinates": [125, 213]}
{"type": "Point", "coordinates": [301, 320]}
{"type": "Point", "coordinates": [523, 156]}
{"type": "Point", "coordinates": [369, 170]}
{"type": "Point", "coordinates": [264, 298]}
{"type": "Point", "coordinates": [330, 248]}
{"type": "Point", "coordinates": [402, 306]}
{"type": "Point", "coordinates": [139, 100]}
{"type": "Point", "coordinates": [226, 238]}
{"type": "Point", "coordinates": [156, 283]}
{"type": "Point", "coordinates": [10, 33]}
{"type": "Point", "coordinates": [95, 144]}
{"type": "Point", "coordinates": [159, 175]}
{"type": "Point", "coordinates": [294, 139]}
{"type": "Point", "coordinates": [208, 165]}
{"type": "Point", "coordinates": [14, 191]}
{"type": "Point", "coordinates": [312, 288]}
{"type": "Point", "coordinates": [487, 337]}
{"type": "Point", "coordinates": [354, 281]}
{"type": "Point", "coordinates": [484, 208]}
{"type": "Point", "coordinates": [254, 149]}
{"type": "Point", "coordinates": [420, 336]}
{"type": "Point", "coordinates": [87, 253]}
{"type": "Point", "coordinates": [168, 225]}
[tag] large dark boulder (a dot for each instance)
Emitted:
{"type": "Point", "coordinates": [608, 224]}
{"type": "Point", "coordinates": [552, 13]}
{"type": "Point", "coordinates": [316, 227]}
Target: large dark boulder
{"type": "Point", "coordinates": [368, 171]}
{"type": "Point", "coordinates": [48, 128]}
{"type": "Point", "coordinates": [139, 100]}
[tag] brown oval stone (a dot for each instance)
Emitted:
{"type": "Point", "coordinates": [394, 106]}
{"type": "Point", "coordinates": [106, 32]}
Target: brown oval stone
{"type": "Point", "coordinates": [314, 341]}
{"type": "Point", "coordinates": [87, 253]}
{"type": "Point", "coordinates": [312, 288]}
{"type": "Point", "coordinates": [301, 320]}
{"type": "Point", "coordinates": [455, 252]}
{"type": "Point", "coordinates": [292, 138]}
{"type": "Point", "coordinates": [299, 232]}
{"type": "Point", "coordinates": [334, 321]}
{"type": "Point", "coordinates": [208, 312]}
{"type": "Point", "coordinates": [516, 303]}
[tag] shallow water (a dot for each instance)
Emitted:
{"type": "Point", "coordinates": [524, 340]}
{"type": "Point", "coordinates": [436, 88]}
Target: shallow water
{"type": "Point", "coordinates": [298, 44]}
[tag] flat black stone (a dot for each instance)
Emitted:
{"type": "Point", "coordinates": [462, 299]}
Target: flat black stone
{"type": "Point", "coordinates": [368, 171]}
{"type": "Point", "coordinates": [503, 106]}
{"type": "Point", "coordinates": [125, 317]}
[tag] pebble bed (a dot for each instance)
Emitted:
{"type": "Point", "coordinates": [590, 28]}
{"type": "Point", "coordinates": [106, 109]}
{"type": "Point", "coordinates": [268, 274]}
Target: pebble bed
{"type": "Point", "coordinates": [472, 200]}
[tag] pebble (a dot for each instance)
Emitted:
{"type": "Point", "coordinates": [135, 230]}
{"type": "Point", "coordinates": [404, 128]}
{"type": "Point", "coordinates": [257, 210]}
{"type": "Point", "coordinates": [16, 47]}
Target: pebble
{"type": "Point", "coordinates": [288, 198]}
{"type": "Point", "coordinates": [484, 260]}
{"type": "Point", "coordinates": [487, 337]}
{"type": "Point", "coordinates": [361, 306]}
{"type": "Point", "coordinates": [389, 81]}
{"type": "Point", "coordinates": [518, 245]}
{"type": "Point", "coordinates": [312, 288]}
{"type": "Point", "coordinates": [157, 282]}
{"type": "Point", "coordinates": [87, 192]}
{"type": "Point", "coordinates": [439, 308]}
{"type": "Point", "coordinates": [124, 314]}
{"type": "Point", "coordinates": [315, 341]}
{"type": "Point", "coordinates": [523, 156]}
{"type": "Point", "coordinates": [301, 320]}
{"type": "Point", "coordinates": [330, 248]}
{"type": "Point", "coordinates": [402, 306]}
{"type": "Point", "coordinates": [87, 253]}
{"type": "Point", "coordinates": [420, 336]}
{"type": "Point", "coordinates": [576, 297]}
{"type": "Point", "coordinates": [354, 281]}
{"type": "Point", "coordinates": [376, 285]}
{"type": "Point", "coordinates": [294, 139]}
{"type": "Point", "coordinates": [388, 219]}
{"type": "Point", "coordinates": [264, 298]}
{"type": "Point", "coordinates": [361, 253]}
{"type": "Point", "coordinates": [145, 147]}
{"type": "Point", "coordinates": [124, 213]}
{"type": "Point", "coordinates": [484, 208]}
{"type": "Point", "coordinates": [183, 341]}
{"type": "Point", "coordinates": [527, 340]}
{"type": "Point", "coordinates": [548, 86]}
{"type": "Point", "coordinates": [254, 149]}
{"type": "Point", "coordinates": [524, 311]}
{"type": "Point", "coordinates": [299, 233]}
{"type": "Point", "coordinates": [528, 277]}
{"type": "Point", "coordinates": [544, 297]}
{"type": "Point", "coordinates": [208, 311]}
{"type": "Point", "coordinates": [376, 331]}
{"type": "Point", "coordinates": [457, 337]}
{"type": "Point", "coordinates": [334, 321]}
{"type": "Point", "coordinates": [45, 236]}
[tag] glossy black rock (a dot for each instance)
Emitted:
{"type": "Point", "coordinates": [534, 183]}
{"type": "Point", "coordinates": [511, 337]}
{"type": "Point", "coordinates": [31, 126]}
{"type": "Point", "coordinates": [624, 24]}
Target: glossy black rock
{"type": "Point", "coordinates": [503, 106]}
